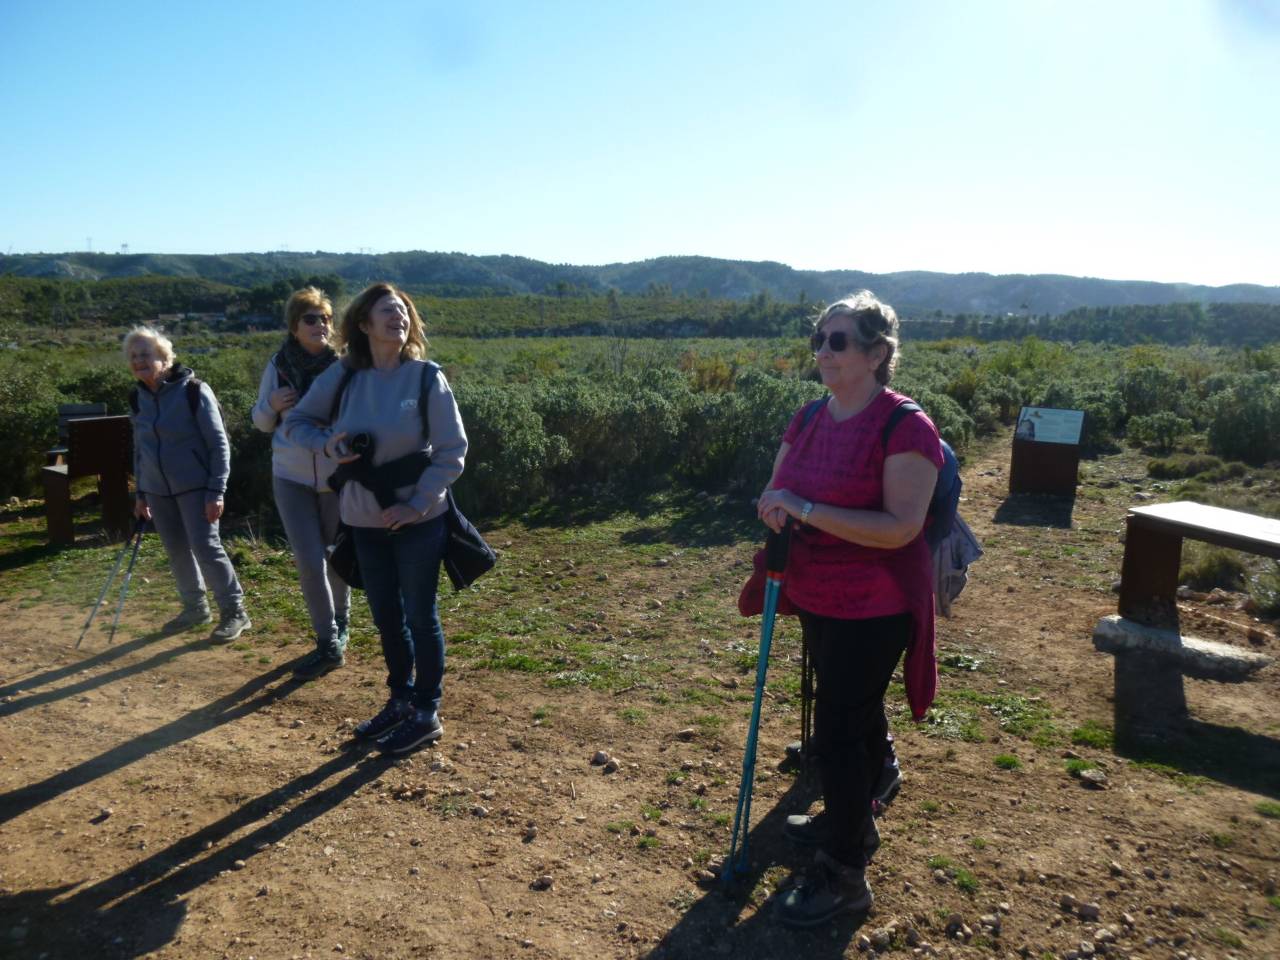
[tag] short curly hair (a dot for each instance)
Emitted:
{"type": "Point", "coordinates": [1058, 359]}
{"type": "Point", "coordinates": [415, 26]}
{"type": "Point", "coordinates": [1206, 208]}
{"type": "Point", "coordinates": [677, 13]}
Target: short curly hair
{"type": "Point", "coordinates": [874, 323]}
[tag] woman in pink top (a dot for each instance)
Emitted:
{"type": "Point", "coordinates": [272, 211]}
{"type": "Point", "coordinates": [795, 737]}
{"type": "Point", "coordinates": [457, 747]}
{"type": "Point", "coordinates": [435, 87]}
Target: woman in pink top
{"type": "Point", "coordinates": [859, 576]}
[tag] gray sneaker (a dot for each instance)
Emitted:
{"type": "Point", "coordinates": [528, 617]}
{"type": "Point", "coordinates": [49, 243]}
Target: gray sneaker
{"type": "Point", "coordinates": [317, 663]}
{"type": "Point", "coordinates": [232, 624]}
{"type": "Point", "coordinates": [188, 618]}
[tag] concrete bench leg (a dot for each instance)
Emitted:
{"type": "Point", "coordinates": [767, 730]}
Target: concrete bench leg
{"type": "Point", "coordinates": [1149, 699]}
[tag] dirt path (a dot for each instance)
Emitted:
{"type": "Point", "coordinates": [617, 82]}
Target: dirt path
{"type": "Point", "coordinates": [163, 798]}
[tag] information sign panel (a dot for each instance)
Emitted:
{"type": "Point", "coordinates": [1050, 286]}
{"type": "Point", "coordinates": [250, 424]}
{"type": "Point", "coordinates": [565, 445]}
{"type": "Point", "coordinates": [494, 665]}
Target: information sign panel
{"type": "Point", "coordinates": [1046, 451]}
{"type": "Point", "coordinates": [1046, 425]}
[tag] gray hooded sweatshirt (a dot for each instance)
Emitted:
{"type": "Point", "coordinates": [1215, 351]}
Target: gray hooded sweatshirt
{"type": "Point", "coordinates": [384, 404]}
{"type": "Point", "coordinates": [175, 452]}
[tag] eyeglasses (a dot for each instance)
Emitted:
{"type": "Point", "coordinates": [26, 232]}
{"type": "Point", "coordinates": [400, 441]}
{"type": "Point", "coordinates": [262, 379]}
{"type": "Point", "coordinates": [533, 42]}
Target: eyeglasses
{"type": "Point", "coordinates": [311, 319]}
{"type": "Point", "coordinates": [838, 340]}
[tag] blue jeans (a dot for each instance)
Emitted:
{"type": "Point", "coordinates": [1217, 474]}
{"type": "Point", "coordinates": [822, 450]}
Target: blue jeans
{"type": "Point", "coordinates": [401, 570]}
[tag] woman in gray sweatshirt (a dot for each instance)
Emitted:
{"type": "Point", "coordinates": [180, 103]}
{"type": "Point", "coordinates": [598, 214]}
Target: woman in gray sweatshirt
{"type": "Point", "coordinates": [366, 411]}
{"type": "Point", "coordinates": [181, 462]}
{"type": "Point", "coordinates": [300, 477]}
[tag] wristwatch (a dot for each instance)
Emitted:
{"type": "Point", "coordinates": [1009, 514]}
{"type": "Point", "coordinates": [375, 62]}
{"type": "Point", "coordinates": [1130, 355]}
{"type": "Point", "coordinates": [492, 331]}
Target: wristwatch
{"type": "Point", "coordinates": [805, 511]}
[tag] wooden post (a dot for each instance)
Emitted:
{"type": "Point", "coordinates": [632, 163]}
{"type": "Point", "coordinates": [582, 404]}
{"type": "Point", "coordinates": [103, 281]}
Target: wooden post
{"type": "Point", "coordinates": [57, 504]}
{"type": "Point", "coordinates": [1149, 574]}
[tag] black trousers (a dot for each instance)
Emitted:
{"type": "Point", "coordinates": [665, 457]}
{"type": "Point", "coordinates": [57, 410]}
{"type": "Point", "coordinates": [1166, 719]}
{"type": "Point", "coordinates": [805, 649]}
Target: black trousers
{"type": "Point", "coordinates": [854, 661]}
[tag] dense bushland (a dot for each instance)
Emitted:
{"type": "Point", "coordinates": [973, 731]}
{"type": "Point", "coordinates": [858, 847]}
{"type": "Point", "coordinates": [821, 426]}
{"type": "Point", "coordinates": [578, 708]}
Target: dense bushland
{"type": "Point", "coordinates": [557, 416]}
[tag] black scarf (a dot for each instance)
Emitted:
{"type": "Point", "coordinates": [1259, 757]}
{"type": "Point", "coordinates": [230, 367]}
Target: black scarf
{"type": "Point", "coordinates": [297, 367]}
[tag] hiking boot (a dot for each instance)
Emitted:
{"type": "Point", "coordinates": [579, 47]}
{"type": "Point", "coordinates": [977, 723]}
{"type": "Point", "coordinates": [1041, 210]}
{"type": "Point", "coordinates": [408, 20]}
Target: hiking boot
{"type": "Point", "coordinates": [828, 890]}
{"type": "Point", "coordinates": [418, 729]}
{"type": "Point", "coordinates": [385, 720]}
{"type": "Point", "coordinates": [886, 788]}
{"type": "Point", "coordinates": [233, 623]}
{"type": "Point", "coordinates": [815, 831]}
{"type": "Point", "coordinates": [188, 618]}
{"type": "Point", "coordinates": [317, 663]}
{"type": "Point", "coordinates": [344, 634]}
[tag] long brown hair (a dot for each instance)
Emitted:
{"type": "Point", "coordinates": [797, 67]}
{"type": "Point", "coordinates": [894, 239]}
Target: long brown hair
{"type": "Point", "coordinates": [356, 341]}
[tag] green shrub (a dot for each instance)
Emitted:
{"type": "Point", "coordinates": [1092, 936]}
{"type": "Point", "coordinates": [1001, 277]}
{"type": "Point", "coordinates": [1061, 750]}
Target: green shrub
{"type": "Point", "coordinates": [29, 425]}
{"type": "Point", "coordinates": [1244, 420]}
{"type": "Point", "coordinates": [1150, 390]}
{"type": "Point", "coordinates": [1182, 465]}
{"type": "Point", "coordinates": [1159, 430]}
{"type": "Point", "coordinates": [1264, 588]}
{"type": "Point", "coordinates": [1205, 568]}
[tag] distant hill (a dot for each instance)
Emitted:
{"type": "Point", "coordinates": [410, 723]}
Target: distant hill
{"type": "Point", "coordinates": [914, 293]}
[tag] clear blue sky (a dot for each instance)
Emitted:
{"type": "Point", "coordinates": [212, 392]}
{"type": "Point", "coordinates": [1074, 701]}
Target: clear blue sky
{"type": "Point", "coordinates": [1134, 140]}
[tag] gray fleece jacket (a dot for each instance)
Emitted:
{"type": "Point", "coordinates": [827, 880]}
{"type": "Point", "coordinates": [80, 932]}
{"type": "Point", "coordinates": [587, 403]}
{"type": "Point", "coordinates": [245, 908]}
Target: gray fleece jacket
{"type": "Point", "coordinates": [289, 460]}
{"type": "Point", "coordinates": [384, 403]}
{"type": "Point", "coordinates": [173, 451]}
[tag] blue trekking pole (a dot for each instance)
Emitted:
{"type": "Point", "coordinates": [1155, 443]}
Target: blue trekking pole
{"type": "Point", "coordinates": [775, 553]}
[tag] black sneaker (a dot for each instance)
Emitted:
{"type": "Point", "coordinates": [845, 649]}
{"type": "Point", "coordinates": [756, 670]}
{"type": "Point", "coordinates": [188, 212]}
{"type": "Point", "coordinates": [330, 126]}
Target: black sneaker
{"type": "Point", "coordinates": [317, 663]}
{"type": "Point", "coordinates": [826, 891]}
{"type": "Point", "coordinates": [886, 788]}
{"type": "Point", "coordinates": [188, 618]}
{"type": "Point", "coordinates": [385, 720]}
{"type": "Point", "coordinates": [421, 728]}
{"type": "Point", "coordinates": [815, 831]}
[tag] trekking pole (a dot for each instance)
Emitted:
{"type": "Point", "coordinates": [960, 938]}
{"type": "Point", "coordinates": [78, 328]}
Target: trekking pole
{"type": "Point", "coordinates": [107, 586]}
{"type": "Point", "coordinates": [776, 548]}
{"type": "Point", "coordinates": [124, 589]}
{"type": "Point", "coordinates": [806, 700]}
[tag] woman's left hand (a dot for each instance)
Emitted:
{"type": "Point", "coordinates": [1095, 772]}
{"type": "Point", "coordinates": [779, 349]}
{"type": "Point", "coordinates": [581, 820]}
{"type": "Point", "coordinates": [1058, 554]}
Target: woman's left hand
{"type": "Point", "coordinates": [775, 506]}
{"type": "Point", "coordinates": [398, 515]}
{"type": "Point", "coordinates": [213, 510]}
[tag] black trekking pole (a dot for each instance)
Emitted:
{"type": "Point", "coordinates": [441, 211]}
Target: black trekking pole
{"type": "Point", "coordinates": [124, 589]}
{"type": "Point", "coordinates": [137, 532]}
{"type": "Point", "coordinates": [776, 548]}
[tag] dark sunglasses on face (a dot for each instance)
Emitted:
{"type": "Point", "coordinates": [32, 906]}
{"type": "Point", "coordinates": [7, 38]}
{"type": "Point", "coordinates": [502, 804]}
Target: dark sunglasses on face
{"type": "Point", "coordinates": [311, 319]}
{"type": "Point", "coordinates": [838, 340]}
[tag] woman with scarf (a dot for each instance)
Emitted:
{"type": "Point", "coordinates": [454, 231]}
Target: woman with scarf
{"type": "Point", "coordinates": [308, 508]}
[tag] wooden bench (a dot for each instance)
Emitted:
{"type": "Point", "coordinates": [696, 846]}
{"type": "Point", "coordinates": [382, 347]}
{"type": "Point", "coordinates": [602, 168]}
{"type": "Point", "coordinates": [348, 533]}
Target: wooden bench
{"type": "Point", "coordinates": [66, 413]}
{"type": "Point", "coordinates": [97, 446]}
{"type": "Point", "coordinates": [1152, 655]}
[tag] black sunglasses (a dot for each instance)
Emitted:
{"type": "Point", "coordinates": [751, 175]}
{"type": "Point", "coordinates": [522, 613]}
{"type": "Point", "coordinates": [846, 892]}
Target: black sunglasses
{"type": "Point", "coordinates": [311, 319]}
{"type": "Point", "coordinates": [838, 340]}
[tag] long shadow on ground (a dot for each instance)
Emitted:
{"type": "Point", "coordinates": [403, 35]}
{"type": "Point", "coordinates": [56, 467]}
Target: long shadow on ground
{"type": "Point", "coordinates": [105, 656]}
{"type": "Point", "coordinates": [232, 706]}
{"type": "Point", "coordinates": [712, 925]}
{"type": "Point", "coordinates": [92, 683]}
{"type": "Point", "coordinates": [140, 909]}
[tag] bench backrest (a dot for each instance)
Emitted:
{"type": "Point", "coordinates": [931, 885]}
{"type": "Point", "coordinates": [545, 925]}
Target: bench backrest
{"type": "Point", "coordinates": [75, 411]}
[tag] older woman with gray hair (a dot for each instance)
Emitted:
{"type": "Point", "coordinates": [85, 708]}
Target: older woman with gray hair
{"type": "Point", "coordinates": [181, 462]}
